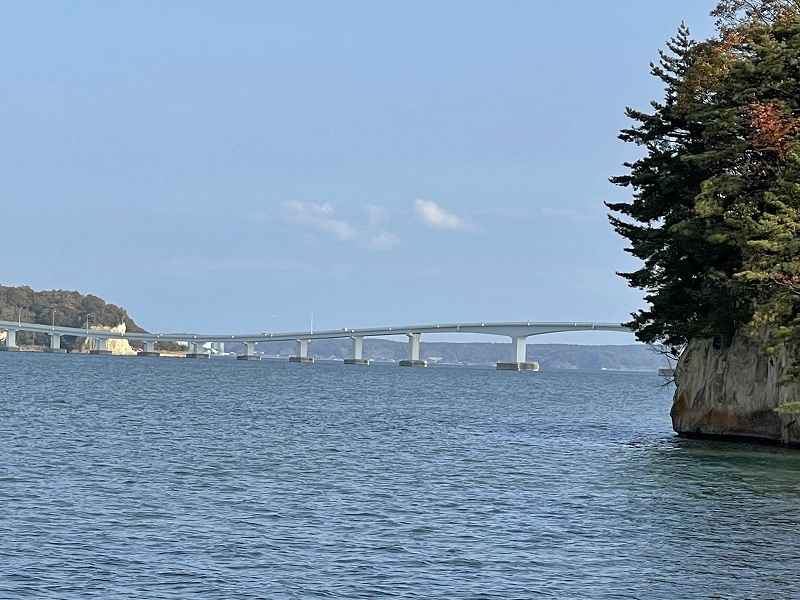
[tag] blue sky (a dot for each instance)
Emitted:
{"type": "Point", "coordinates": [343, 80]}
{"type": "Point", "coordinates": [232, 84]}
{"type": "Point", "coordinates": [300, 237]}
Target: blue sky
{"type": "Point", "coordinates": [240, 166]}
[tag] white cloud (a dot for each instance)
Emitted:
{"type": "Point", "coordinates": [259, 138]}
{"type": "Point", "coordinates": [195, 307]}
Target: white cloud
{"type": "Point", "coordinates": [322, 217]}
{"type": "Point", "coordinates": [383, 239]}
{"type": "Point", "coordinates": [434, 215]}
{"type": "Point", "coordinates": [376, 213]}
{"type": "Point", "coordinates": [340, 229]}
{"type": "Point", "coordinates": [319, 216]}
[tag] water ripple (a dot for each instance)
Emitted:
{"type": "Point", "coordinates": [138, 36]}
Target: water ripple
{"type": "Point", "coordinates": [126, 478]}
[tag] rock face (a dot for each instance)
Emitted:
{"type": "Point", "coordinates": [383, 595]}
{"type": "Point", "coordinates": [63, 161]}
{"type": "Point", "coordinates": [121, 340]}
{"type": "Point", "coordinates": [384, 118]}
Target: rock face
{"type": "Point", "coordinates": [732, 392]}
{"type": "Point", "coordinates": [117, 346]}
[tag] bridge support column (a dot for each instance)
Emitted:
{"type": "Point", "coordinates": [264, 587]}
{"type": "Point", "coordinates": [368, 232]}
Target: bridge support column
{"type": "Point", "coordinates": [197, 350]}
{"type": "Point", "coordinates": [149, 350]}
{"type": "Point", "coordinates": [518, 350]}
{"type": "Point", "coordinates": [358, 352]}
{"type": "Point", "coordinates": [249, 352]}
{"type": "Point", "coordinates": [11, 341]}
{"type": "Point", "coordinates": [302, 353]}
{"type": "Point", "coordinates": [100, 348]}
{"type": "Point", "coordinates": [413, 352]}
{"type": "Point", "coordinates": [55, 344]}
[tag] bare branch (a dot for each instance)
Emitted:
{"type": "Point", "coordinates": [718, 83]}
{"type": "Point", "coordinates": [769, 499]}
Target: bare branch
{"type": "Point", "coordinates": [790, 282]}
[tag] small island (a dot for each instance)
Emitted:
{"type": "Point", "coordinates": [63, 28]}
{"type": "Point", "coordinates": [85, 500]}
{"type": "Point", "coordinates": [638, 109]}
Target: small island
{"type": "Point", "coordinates": [715, 219]}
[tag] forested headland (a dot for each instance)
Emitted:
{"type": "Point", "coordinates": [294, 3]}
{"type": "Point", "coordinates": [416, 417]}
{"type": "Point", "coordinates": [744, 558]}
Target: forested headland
{"type": "Point", "coordinates": [65, 308]}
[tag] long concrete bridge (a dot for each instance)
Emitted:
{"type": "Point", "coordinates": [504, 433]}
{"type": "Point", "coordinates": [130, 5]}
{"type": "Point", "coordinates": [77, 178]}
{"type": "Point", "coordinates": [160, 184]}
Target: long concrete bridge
{"type": "Point", "coordinates": [518, 332]}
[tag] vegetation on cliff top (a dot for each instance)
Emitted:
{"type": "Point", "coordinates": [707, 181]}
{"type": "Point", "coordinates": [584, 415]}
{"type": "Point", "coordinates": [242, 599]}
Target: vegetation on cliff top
{"type": "Point", "coordinates": [62, 307]}
{"type": "Point", "coordinates": [715, 210]}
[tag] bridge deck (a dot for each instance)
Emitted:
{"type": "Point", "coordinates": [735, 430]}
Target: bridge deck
{"type": "Point", "coordinates": [509, 329]}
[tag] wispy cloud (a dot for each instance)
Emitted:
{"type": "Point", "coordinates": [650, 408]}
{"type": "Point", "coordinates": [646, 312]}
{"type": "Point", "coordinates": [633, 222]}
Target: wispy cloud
{"type": "Point", "coordinates": [322, 217]}
{"type": "Point", "coordinates": [435, 216]}
{"type": "Point", "coordinates": [195, 267]}
{"type": "Point", "coordinates": [319, 216]}
{"type": "Point", "coordinates": [376, 213]}
{"type": "Point", "coordinates": [570, 214]}
{"type": "Point", "coordinates": [383, 240]}
{"type": "Point", "coordinates": [501, 211]}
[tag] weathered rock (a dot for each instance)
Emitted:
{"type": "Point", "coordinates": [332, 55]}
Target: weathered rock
{"type": "Point", "coordinates": [733, 391]}
{"type": "Point", "coordinates": [116, 346]}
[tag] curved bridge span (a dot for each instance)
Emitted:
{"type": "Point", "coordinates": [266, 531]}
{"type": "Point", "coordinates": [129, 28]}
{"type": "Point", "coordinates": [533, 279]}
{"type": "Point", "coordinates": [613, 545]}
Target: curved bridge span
{"type": "Point", "coordinates": [519, 332]}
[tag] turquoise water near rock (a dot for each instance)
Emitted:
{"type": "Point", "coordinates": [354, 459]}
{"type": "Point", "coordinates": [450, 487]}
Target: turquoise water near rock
{"type": "Point", "coordinates": [129, 477]}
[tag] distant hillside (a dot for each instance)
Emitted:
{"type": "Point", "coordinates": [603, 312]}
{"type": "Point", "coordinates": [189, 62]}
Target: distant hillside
{"type": "Point", "coordinates": [633, 357]}
{"type": "Point", "coordinates": [64, 307]}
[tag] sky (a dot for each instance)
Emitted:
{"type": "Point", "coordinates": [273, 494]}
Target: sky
{"type": "Point", "coordinates": [237, 167]}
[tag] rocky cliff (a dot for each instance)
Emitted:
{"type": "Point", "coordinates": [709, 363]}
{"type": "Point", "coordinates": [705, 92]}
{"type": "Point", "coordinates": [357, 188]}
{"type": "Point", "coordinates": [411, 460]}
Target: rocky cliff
{"type": "Point", "coordinates": [117, 346]}
{"type": "Point", "coordinates": [733, 392]}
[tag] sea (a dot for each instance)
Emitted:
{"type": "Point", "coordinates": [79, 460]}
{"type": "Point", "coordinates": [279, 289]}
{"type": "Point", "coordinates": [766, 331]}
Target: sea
{"type": "Point", "coordinates": [166, 478]}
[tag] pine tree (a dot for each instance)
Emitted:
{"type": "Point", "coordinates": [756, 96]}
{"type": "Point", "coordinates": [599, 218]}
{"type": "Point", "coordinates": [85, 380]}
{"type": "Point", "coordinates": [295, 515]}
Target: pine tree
{"type": "Point", "coordinates": [715, 214]}
{"type": "Point", "coordinates": [687, 278]}
{"type": "Point", "coordinates": [732, 14]}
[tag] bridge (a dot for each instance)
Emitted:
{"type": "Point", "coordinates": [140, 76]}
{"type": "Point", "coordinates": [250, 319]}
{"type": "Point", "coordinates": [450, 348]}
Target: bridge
{"type": "Point", "coordinates": [519, 332]}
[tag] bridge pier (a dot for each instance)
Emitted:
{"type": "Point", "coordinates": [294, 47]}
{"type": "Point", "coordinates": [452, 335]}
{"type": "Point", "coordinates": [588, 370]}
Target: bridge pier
{"type": "Point", "coordinates": [413, 352]}
{"type": "Point", "coordinates": [197, 350]}
{"type": "Point", "coordinates": [55, 344]}
{"type": "Point", "coordinates": [519, 354]}
{"type": "Point", "coordinates": [149, 350]}
{"type": "Point", "coordinates": [358, 352]}
{"type": "Point", "coordinates": [11, 341]}
{"type": "Point", "coordinates": [101, 347]}
{"type": "Point", "coordinates": [249, 352]}
{"type": "Point", "coordinates": [302, 353]}
{"type": "Point", "coordinates": [517, 331]}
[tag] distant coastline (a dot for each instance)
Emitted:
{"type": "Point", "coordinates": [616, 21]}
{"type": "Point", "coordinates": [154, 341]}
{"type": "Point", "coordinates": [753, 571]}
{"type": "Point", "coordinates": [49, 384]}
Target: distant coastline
{"type": "Point", "coordinates": [551, 357]}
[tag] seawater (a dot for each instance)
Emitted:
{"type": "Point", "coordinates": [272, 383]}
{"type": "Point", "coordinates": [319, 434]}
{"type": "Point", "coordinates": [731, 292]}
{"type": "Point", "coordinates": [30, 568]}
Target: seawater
{"type": "Point", "coordinates": [137, 478]}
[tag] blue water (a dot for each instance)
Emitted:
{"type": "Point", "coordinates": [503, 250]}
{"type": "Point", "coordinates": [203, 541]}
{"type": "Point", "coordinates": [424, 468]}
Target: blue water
{"type": "Point", "coordinates": [138, 478]}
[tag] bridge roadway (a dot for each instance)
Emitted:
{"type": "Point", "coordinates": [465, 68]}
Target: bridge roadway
{"type": "Point", "coordinates": [518, 332]}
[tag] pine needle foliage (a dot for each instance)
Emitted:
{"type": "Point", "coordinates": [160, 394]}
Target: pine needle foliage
{"type": "Point", "coordinates": [715, 208]}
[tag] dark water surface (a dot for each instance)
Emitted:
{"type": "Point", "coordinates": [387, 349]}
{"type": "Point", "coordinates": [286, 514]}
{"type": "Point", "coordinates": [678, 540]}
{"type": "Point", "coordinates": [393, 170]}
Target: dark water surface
{"type": "Point", "coordinates": [137, 478]}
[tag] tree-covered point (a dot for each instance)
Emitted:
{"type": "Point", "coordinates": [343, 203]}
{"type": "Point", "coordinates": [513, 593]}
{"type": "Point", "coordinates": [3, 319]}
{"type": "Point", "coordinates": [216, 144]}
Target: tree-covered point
{"type": "Point", "coordinates": [715, 209]}
{"type": "Point", "coordinates": [62, 307]}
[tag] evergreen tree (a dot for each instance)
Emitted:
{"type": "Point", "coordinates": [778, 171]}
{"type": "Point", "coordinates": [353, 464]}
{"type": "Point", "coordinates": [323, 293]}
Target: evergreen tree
{"type": "Point", "coordinates": [732, 14]}
{"type": "Point", "coordinates": [715, 213]}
